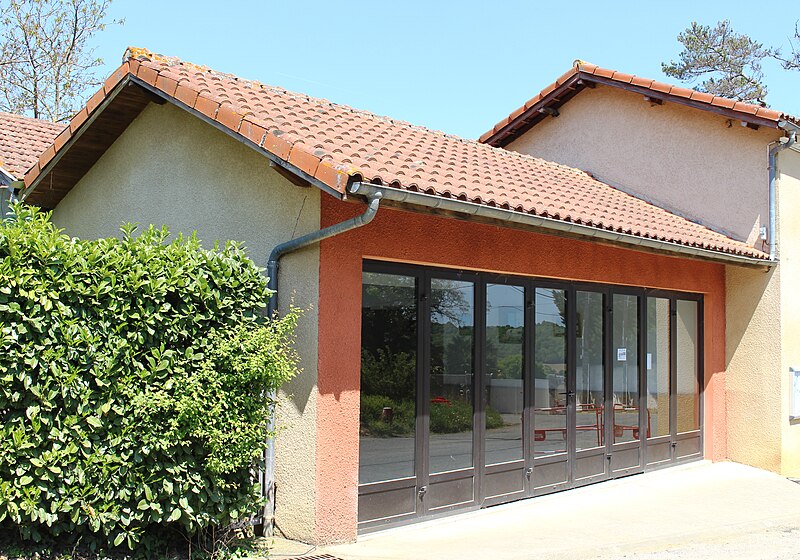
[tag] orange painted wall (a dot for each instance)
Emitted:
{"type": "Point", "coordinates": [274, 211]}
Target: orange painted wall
{"type": "Point", "coordinates": [409, 237]}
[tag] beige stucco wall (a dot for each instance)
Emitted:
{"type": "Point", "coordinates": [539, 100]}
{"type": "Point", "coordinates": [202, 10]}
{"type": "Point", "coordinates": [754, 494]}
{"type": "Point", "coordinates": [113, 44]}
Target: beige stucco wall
{"type": "Point", "coordinates": [693, 162]}
{"type": "Point", "coordinates": [753, 357]}
{"type": "Point", "coordinates": [789, 246]}
{"type": "Point", "coordinates": [763, 340]}
{"type": "Point", "coordinates": [171, 168]}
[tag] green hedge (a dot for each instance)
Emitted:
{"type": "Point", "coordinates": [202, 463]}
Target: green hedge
{"type": "Point", "coordinates": [134, 379]}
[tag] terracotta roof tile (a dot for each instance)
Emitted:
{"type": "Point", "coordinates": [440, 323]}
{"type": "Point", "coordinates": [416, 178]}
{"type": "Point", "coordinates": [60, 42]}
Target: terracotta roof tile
{"type": "Point", "coordinates": [23, 140]}
{"type": "Point", "coordinates": [337, 144]}
{"type": "Point", "coordinates": [497, 135]}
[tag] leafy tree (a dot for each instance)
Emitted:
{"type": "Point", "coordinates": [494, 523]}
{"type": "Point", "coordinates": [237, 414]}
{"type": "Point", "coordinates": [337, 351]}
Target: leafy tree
{"type": "Point", "coordinates": [47, 61]}
{"type": "Point", "coordinates": [728, 62]}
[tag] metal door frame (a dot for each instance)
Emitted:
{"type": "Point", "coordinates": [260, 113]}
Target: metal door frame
{"type": "Point", "coordinates": [692, 437]}
{"type": "Point", "coordinates": [567, 456]}
{"type": "Point", "coordinates": [607, 414]}
{"type": "Point", "coordinates": [525, 463]}
{"type": "Point", "coordinates": [613, 447]}
{"type": "Point", "coordinates": [422, 477]}
{"type": "Point", "coordinates": [412, 481]}
{"type": "Point", "coordinates": [427, 479]}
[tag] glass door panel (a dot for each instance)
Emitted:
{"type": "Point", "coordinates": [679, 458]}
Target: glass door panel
{"type": "Point", "coordinates": [589, 371]}
{"type": "Point", "coordinates": [503, 378]}
{"type": "Point", "coordinates": [452, 351]}
{"type": "Point", "coordinates": [550, 373]}
{"type": "Point", "coordinates": [687, 392]}
{"type": "Point", "coordinates": [572, 379]}
{"type": "Point", "coordinates": [388, 377]}
{"type": "Point", "coordinates": [657, 364]}
{"type": "Point", "coordinates": [625, 357]}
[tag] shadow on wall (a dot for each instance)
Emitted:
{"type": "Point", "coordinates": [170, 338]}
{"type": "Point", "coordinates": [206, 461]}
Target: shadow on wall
{"type": "Point", "coordinates": [753, 366]}
{"type": "Point", "coordinates": [746, 287]}
{"type": "Point", "coordinates": [297, 391]}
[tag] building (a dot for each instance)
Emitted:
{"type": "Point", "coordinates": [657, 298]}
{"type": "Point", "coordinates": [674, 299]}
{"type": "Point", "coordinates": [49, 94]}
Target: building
{"type": "Point", "coordinates": [22, 140]}
{"type": "Point", "coordinates": [721, 164]}
{"type": "Point", "coordinates": [484, 325]}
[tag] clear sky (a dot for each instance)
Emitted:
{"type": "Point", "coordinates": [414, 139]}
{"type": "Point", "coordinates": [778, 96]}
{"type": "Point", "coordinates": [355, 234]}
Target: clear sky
{"type": "Point", "coordinates": [456, 66]}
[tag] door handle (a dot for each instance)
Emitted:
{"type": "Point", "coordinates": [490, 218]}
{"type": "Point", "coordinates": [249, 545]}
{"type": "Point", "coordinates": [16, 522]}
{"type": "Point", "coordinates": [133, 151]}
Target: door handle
{"type": "Point", "coordinates": [422, 491]}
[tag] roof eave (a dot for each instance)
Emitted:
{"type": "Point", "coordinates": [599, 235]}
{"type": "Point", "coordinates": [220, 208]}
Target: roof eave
{"type": "Point", "coordinates": [74, 137]}
{"type": "Point", "coordinates": [40, 170]}
{"type": "Point", "coordinates": [6, 177]}
{"type": "Point", "coordinates": [510, 218]}
{"type": "Point", "coordinates": [532, 116]}
{"type": "Point", "coordinates": [246, 141]}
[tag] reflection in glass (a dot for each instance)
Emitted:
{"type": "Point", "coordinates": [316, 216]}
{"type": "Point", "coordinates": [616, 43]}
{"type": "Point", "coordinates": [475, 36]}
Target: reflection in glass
{"type": "Point", "coordinates": [505, 336]}
{"type": "Point", "coordinates": [625, 357]}
{"type": "Point", "coordinates": [687, 391]}
{"type": "Point", "coordinates": [589, 370]}
{"type": "Point", "coordinates": [451, 362]}
{"type": "Point", "coordinates": [549, 372]}
{"type": "Point", "coordinates": [657, 364]}
{"type": "Point", "coordinates": [388, 377]}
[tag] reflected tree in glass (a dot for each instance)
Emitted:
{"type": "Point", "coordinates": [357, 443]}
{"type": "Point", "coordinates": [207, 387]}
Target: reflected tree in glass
{"type": "Point", "coordinates": [503, 383]}
{"type": "Point", "coordinates": [452, 352]}
{"type": "Point", "coordinates": [550, 379]}
{"type": "Point", "coordinates": [589, 370]}
{"type": "Point", "coordinates": [388, 377]}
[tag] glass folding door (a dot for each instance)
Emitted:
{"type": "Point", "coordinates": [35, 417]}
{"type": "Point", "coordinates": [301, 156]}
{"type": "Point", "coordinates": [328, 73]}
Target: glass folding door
{"type": "Point", "coordinates": [388, 466]}
{"type": "Point", "coordinates": [590, 463]}
{"type": "Point", "coordinates": [505, 444]}
{"type": "Point", "coordinates": [450, 433]}
{"type": "Point", "coordinates": [674, 378]}
{"type": "Point", "coordinates": [625, 422]}
{"type": "Point", "coordinates": [478, 388]}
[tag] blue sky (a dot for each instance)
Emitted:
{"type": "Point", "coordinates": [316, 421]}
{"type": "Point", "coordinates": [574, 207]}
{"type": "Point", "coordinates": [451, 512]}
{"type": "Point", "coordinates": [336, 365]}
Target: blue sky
{"type": "Point", "coordinates": [453, 66]}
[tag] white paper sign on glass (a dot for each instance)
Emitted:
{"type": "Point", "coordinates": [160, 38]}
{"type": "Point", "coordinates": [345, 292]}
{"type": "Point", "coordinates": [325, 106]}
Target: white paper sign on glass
{"type": "Point", "coordinates": [795, 373]}
{"type": "Point", "coordinates": [622, 354]}
{"type": "Point", "coordinates": [649, 361]}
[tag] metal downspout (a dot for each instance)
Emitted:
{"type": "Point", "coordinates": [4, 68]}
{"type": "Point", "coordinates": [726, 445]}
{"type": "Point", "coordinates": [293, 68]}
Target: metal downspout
{"type": "Point", "coordinates": [374, 200]}
{"type": "Point", "coordinates": [773, 214]}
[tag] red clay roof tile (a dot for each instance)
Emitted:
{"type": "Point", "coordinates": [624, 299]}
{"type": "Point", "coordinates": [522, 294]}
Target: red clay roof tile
{"type": "Point", "coordinates": [701, 96]}
{"type": "Point", "coordinates": [23, 140]}
{"type": "Point", "coordinates": [506, 129]}
{"type": "Point", "coordinates": [336, 144]}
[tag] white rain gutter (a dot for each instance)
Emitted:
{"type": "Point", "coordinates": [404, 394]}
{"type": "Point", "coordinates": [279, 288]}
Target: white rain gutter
{"type": "Point", "coordinates": [511, 217]}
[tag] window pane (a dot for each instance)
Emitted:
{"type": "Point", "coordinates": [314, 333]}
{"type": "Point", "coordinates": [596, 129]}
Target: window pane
{"type": "Point", "coordinates": [388, 377]}
{"type": "Point", "coordinates": [589, 370]}
{"type": "Point", "coordinates": [550, 379]}
{"type": "Point", "coordinates": [452, 355]}
{"type": "Point", "coordinates": [687, 391]}
{"type": "Point", "coordinates": [657, 364]}
{"type": "Point", "coordinates": [505, 336]}
{"type": "Point", "coordinates": [625, 357]}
